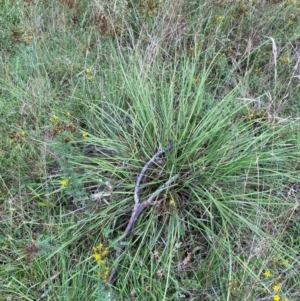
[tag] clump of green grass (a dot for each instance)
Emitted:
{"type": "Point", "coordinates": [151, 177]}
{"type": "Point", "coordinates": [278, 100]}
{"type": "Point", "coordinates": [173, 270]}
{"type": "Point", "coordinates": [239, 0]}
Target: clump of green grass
{"type": "Point", "coordinates": [88, 94]}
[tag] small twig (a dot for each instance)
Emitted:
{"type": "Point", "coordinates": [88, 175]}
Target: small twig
{"type": "Point", "coordinates": [139, 207]}
{"type": "Point", "coordinates": [150, 200]}
{"type": "Point", "coordinates": [142, 173]}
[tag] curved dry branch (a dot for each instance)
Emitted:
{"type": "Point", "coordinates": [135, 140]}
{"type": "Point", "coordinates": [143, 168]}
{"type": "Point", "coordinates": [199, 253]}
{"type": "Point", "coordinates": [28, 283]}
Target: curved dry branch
{"type": "Point", "coordinates": [139, 207]}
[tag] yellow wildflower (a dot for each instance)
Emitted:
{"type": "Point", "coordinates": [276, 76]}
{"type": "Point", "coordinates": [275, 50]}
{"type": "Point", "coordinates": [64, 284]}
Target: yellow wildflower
{"type": "Point", "coordinates": [106, 274]}
{"type": "Point", "coordinates": [90, 78]}
{"type": "Point", "coordinates": [285, 60]}
{"type": "Point", "coordinates": [98, 248]}
{"type": "Point", "coordinates": [68, 114]}
{"type": "Point", "coordinates": [196, 79]}
{"type": "Point", "coordinates": [276, 287]}
{"type": "Point", "coordinates": [276, 298]}
{"type": "Point", "coordinates": [267, 273]}
{"type": "Point", "coordinates": [104, 252]}
{"type": "Point", "coordinates": [97, 256]}
{"type": "Point", "coordinates": [54, 118]}
{"type": "Point", "coordinates": [64, 183]}
{"type": "Point", "coordinates": [26, 38]}
{"type": "Point", "coordinates": [87, 71]}
{"type": "Point", "coordinates": [84, 135]}
{"type": "Point", "coordinates": [233, 284]}
{"type": "Point", "coordinates": [219, 17]}
{"type": "Point", "coordinates": [23, 133]}
{"type": "Point", "coordinates": [99, 253]}
{"type": "Point", "coordinates": [101, 250]}
{"type": "Point", "coordinates": [284, 262]}
{"type": "Point", "coordinates": [172, 204]}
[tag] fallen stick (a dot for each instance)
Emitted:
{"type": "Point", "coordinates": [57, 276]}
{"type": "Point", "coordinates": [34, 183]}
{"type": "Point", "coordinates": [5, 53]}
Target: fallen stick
{"type": "Point", "coordinates": [139, 207]}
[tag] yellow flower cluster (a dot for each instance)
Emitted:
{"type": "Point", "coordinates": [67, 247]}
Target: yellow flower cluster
{"type": "Point", "coordinates": [285, 60]}
{"type": "Point", "coordinates": [26, 38]}
{"type": "Point", "coordinates": [100, 252]}
{"type": "Point", "coordinates": [23, 34]}
{"type": "Point", "coordinates": [89, 74]}
{"type": "Point", "coordinates": [277, 298]}
{"type": "Point", "coordinates": [277, 262]}
{"type": "Point", "coordinates": [63, 127]}
{"type": "Point", "coordinates": [234, 285]}
{"type": "Point", "coordinates": [276, 287]}
{"type": "Point", "coordinates": [64, 183]}
{"type": "Point", "coordinates": [84, 134]}
{"type": "Point", "coordinates": [54, 119]}
{"type": "Point", "coordinates": [253, 114]}
{"type": "Point", "coordinates": [18, 139]}
{"type": "Point", "coordinates": [172, 204]}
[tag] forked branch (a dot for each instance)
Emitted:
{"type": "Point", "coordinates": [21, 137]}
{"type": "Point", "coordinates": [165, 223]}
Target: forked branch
{"type": "Point", "coordinates": [139, 207]}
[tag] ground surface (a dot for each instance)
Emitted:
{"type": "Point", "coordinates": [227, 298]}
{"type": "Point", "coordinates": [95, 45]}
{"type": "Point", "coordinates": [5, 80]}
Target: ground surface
{"type": "Point", "coordinates": [90, 91]}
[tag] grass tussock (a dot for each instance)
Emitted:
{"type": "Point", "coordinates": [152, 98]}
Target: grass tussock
{"type": "Point", "coordinates": [91, 91]}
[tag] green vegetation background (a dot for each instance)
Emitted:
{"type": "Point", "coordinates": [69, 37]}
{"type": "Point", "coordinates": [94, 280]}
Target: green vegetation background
{"type": "Point", "coordinates": [91, 90]}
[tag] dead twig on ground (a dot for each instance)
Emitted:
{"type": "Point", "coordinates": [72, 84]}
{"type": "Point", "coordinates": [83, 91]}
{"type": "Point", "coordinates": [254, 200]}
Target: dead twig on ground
{"type": "Point", "coordinates": [139, 207]}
